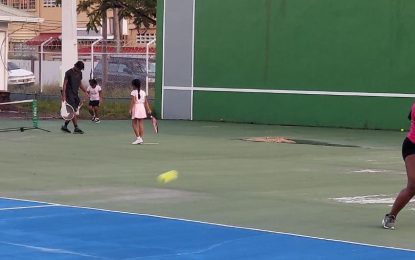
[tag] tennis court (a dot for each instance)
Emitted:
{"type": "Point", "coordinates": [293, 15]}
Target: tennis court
{"type": "Point", "coordinates": [336, 185]}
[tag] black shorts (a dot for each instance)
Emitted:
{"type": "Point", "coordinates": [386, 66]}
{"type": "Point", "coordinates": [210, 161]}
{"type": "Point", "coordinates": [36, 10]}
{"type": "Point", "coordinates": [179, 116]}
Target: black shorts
{"type": "Point", "coordinates": [408, 148]}
{"type": "Point", "coordinates": [73, 101]}
{"type": "Point", "coordinates": [94, 103]}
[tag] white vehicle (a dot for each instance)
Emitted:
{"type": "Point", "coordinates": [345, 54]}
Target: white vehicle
{"type": "Point", "coordinates": [18, 76]}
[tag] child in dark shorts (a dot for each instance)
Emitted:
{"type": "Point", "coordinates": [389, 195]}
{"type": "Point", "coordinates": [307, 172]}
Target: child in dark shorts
{"type": "Point", "coordinates": [95, 98]}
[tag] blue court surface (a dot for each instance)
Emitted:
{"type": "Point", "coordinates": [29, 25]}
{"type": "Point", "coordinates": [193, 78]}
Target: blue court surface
{"type": "Point", "coordinates": [34, 230]}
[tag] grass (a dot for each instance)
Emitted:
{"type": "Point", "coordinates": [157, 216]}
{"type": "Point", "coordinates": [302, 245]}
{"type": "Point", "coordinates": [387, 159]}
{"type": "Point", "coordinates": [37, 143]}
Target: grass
{"type": "Point", "coordinates": [50, 108]}
{"type": "Point", "coordinates": [115, 105]}
{"type": "Point", "coordinates": [108, 110]}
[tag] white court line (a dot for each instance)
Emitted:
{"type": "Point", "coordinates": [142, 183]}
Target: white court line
{"type": "Point", "coordinates": [219, 225]}
{"type": "Point", "coordinates": [29, 207]}
{"type": "Point", "coordinates": [293, 92]}
{"type": "Point", "coordinates": [50, 250]}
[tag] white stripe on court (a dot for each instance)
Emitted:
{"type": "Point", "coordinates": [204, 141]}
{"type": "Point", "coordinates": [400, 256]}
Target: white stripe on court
{"type": "Point", "coordinates": [293, 92]}
{"type": "Point", "coordinates": [219, 225]}
{"type": "Point", "coordinates": [29, 207]}
{"type": "Point", "coordinates": [50, 250]}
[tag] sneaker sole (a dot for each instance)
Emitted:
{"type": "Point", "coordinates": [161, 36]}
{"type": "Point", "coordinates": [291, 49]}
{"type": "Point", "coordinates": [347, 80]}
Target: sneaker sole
{"type": "Point", "coordinates": [386, 227]}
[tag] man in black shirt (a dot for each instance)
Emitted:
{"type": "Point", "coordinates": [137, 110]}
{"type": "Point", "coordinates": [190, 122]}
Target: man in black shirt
{"type": "Point", "coordinates": [71, 85]}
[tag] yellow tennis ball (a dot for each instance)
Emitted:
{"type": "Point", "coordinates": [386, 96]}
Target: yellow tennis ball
{"type": "Point", "coordinates": [167, 177]}
{"type": "Point", "coordinates": [402, 130]}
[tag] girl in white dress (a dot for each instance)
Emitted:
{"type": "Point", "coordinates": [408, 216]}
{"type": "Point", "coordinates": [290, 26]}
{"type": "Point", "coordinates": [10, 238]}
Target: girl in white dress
{"type": "Point", "coordinates": [139, 108]}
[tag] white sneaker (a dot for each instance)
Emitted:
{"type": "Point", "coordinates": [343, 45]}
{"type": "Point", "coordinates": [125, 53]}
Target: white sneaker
{"type": "Point", "coordinates": [139, 140]}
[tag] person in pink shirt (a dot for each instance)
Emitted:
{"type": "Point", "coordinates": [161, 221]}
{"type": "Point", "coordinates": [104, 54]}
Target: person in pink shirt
{"type": "Point", "coordinates": [408, 154]}
{"type": "Point", "coordinates": [139, 108]}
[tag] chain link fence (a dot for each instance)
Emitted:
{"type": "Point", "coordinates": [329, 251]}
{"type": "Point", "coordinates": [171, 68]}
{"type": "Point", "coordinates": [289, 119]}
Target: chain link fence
{"type": "Point", "coordinates": [113, 65]}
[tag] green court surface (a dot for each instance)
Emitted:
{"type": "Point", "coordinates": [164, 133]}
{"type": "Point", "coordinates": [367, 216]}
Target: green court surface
{"type": "Point", "coordinates": [324, 191]}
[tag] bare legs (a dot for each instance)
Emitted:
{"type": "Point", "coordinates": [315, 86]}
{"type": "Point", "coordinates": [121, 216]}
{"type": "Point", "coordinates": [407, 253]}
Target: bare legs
{"type": "Point", "coordinates": [141, 127]}
{"type": "Point", "coordinates": [135, 127]}
{"type": "Point", "coordinates": [74, 121]}
{"type": "Point", "coordinates": [138, 127]}
{"type": "Point", "coordinates": [94, 111]}
{"type": "Point", "coordinates": [409, 191]}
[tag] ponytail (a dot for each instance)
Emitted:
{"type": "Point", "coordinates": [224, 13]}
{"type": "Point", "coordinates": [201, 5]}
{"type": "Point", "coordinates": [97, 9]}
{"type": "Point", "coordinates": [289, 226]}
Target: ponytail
{"type": "Point", "coordinates": [136, 84]}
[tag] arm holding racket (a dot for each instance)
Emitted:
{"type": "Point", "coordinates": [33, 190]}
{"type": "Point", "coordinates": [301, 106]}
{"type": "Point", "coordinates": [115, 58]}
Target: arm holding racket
{"type": "Point", "coordinates": [147, 106]}
{"type": "Point", "coordinates": [152, 117]}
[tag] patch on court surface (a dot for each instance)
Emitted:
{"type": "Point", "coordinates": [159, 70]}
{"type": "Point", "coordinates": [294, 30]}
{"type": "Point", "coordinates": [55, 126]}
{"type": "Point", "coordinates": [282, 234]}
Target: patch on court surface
{"type": "Point", "coordinates": [370, 171]}
{"type": "Point", "coordinates": [35, 230]}
{"type": "Point", "coordinates": [269, 139]}
{"type": "Point", "coordinates": [278, 139]}
{"type": "Point", "coordinates": [368, 199]}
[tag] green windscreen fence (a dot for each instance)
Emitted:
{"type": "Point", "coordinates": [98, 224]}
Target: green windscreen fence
{"type": "Point", "coordinates": [353, 45]}
{"type": "Point", "coordinates": [357, 46]}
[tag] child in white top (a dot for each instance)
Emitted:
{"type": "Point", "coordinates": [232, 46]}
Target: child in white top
{"type": "Point", "coordinates": [139, 108]}
{"type": "Point", "coordinates": [95, 98]}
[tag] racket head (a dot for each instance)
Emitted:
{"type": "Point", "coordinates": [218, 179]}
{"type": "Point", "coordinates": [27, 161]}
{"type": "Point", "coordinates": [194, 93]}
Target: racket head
{"type": "Point", "coordinates": [67, 111]}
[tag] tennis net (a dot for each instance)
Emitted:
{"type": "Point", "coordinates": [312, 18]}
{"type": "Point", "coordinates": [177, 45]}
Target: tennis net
{"type": "Point", "coordinates": [20, 115]}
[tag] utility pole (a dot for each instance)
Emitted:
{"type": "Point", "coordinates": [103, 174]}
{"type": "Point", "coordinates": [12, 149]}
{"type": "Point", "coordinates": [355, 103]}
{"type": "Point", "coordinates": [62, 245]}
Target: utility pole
{"type": "Point", "coordinates": [116, 25]}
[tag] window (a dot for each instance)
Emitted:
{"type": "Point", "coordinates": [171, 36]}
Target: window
{"type": "Point", "coordinates": [16, 4]}
{"type": "Point", "coordinates": [145, 37]}
{"type": "Point", "coordinates": [4, 2]}
{"type": "Point", "coordinates": [21, 4]}
{"type": "Point", "coordinates": [49, 3]}
{"type": "Point", "coordinates": [110, 26]}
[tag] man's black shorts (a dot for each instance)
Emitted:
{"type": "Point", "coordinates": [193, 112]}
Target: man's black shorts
{"type": "Point", "coordinates": [94, 103]}
{"type": "Point", "coordinates": [73, 101]}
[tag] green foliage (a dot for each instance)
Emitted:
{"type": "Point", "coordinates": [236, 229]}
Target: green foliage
{"type": "Point", "coordinates": [141, 12]}
{"type": "Point", "coordinates": [111, 109]}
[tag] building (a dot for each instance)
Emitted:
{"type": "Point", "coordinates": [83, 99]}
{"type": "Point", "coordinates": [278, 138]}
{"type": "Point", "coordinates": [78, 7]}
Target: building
{"type": "Point", "coordinates": [7, 16]}
{"type": "Point", "coordinates": [51, 12]}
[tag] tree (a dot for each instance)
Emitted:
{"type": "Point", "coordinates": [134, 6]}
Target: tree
{"type": "Point", "coordinates": [141, 12]}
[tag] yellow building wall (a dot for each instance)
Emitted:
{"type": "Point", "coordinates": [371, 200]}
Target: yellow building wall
{"type": "Point", "coordinates": [53, 24]}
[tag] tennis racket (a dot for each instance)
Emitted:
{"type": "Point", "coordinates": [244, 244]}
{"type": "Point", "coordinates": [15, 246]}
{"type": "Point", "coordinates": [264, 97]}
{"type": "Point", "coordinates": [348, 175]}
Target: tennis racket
{"type": "Point", "coordinates": [67, 111]}
{"type": "Point", "coordinates": [154, 124]}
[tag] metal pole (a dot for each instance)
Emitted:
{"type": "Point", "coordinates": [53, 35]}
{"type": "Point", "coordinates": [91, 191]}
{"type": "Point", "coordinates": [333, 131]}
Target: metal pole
{"type": "Point", "coordinates": [147, 61]}
{"type": "Point", "coordinates": [41, 62]}
{"type": "Point", "coordinates": [92, 57]}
